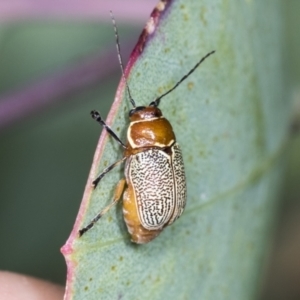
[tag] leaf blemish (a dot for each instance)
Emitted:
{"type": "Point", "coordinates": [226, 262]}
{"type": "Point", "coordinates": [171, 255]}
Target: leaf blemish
{"type": "Point", "coordinates": [190, 85]}
{"type": "Point", "coordinates": [202, 16]}
{"type": "Point", "coordinates": [160, 90]}
{"type": "Point", "coordinates": [190, 159]}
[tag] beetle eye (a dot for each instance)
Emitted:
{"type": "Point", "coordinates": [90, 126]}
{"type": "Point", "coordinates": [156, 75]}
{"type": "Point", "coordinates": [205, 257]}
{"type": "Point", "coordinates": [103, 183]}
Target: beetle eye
{"type": "Point", "coordinates": [134, 110]}
{"type": "Point", "coordinates": [155, 103]}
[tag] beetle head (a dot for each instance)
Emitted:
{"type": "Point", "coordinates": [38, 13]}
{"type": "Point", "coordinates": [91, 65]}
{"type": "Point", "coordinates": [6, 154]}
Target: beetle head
{"type": "Point", "coordinates": [144, 113]}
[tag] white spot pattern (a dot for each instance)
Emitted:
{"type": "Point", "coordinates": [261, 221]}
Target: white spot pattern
{"type": "Point", "coordinates": [158, 182]}
{"type": "Point", "coordinates": [180, 182]}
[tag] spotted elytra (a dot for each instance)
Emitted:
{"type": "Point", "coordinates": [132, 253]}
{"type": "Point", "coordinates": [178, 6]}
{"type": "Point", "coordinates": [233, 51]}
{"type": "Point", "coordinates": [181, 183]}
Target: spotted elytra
{"type": "Point", "coordinates": [154, 188]}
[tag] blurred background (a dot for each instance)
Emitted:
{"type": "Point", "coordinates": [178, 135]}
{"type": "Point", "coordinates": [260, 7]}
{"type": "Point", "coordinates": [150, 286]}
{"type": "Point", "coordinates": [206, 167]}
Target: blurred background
{"type": "Point", "coordinates": [57, 62]}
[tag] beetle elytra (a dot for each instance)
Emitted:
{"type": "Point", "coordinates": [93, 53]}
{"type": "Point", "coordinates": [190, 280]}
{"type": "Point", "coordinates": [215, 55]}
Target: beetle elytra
{"type": "Point", "coordinates": [155, 192]}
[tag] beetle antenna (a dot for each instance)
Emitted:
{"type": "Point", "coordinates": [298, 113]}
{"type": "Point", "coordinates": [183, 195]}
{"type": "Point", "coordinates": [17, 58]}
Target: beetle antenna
{"type": "Point", "coordinates": [157, 100]}
{"type": "Point", "coordinates": [120, 57]}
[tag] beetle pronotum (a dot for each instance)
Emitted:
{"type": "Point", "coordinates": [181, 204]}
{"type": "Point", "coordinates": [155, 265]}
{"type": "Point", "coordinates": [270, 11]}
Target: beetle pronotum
{"type": "Point", "coordinates": [154, 172]}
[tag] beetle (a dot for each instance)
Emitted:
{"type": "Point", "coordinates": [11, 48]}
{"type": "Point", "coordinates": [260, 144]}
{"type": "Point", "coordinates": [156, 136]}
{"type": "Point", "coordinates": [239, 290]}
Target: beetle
{"type": "Point", "coordinates": [155, 192]}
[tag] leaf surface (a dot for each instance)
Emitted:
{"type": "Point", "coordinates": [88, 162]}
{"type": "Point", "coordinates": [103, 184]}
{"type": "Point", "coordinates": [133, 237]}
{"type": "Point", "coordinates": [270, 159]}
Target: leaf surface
{"type": "Point", "coordinates": [230, 118]}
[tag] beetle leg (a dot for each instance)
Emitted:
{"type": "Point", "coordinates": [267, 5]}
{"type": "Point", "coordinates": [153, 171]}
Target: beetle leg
{"type": "Point", "coordinates": [101, 175]}
{"type": "Point", "coordinates": [96, 116]}
{"type": "Point", "coordinates": [118, 193]}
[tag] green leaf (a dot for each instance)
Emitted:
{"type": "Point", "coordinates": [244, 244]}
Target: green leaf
{"type": "Point", "coordinates": [230, 118]}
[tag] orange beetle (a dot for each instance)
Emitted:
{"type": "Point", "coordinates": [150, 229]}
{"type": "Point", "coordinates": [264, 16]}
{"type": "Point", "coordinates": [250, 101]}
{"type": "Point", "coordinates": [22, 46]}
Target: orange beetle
{"type": "Point", "coordinates": [155, 195]}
